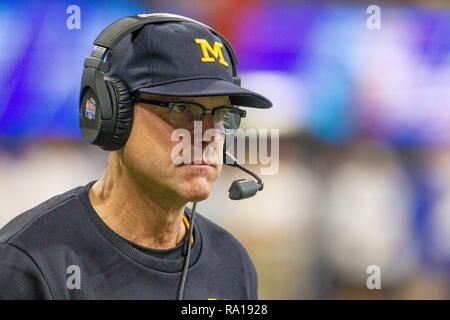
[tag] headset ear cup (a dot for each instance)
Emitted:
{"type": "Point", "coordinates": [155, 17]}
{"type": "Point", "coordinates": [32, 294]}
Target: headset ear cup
{"type": "Point", "coordinates": [124, 112]}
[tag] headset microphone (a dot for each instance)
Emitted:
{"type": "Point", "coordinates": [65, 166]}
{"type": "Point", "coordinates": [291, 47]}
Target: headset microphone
{"type": "Point", "coordinates": [242, 188]}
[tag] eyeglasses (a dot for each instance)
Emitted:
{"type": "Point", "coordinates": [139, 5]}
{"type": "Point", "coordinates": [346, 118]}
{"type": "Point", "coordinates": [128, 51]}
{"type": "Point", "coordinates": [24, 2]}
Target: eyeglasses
{"type": "Point", "coordinates": [183, 114]}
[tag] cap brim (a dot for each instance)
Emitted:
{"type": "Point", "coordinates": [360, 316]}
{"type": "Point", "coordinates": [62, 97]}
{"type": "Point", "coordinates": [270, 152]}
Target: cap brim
{"type": "Point", "coordinates": [211, 87]}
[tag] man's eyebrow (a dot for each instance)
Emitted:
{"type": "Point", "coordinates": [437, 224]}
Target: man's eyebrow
{"type": "Point", "coordinates": [226, 104]}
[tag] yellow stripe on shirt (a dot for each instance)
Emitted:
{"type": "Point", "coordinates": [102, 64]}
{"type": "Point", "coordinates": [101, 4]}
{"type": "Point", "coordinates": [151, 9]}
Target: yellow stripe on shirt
{"type": "Point", "coordinates": [187, 224]}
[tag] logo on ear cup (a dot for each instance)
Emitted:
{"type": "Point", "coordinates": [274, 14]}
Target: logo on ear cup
{"type": "Point", "coordinates": [90, 108]}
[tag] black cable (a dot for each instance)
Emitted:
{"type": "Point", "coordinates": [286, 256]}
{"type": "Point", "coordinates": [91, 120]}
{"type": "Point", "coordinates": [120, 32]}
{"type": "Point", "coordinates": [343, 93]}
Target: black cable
{"type": "Point", "coordinates": [187, 253]}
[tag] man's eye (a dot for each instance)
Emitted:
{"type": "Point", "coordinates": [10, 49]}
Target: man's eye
{"type": "Point", "coordinates": [180, 107]}
{"type": "Point", "coordinates": [220, 114]}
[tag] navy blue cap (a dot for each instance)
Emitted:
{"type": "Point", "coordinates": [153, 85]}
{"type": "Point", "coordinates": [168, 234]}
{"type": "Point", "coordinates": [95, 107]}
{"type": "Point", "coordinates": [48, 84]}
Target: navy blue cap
{"type": "Point", "coordinates": [179, 59]}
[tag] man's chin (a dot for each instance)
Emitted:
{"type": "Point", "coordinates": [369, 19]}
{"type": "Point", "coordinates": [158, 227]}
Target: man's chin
{"type": "Point", "coordinates": [197, 198]}
{"type": "Point", "coordinates": [197, 190]}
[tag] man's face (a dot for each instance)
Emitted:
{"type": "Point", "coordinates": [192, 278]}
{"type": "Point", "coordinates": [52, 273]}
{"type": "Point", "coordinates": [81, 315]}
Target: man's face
{"type": "Point", "coordinates": [148, 151]}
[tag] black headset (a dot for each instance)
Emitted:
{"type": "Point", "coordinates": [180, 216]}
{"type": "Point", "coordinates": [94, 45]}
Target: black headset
{"type": "Point", "coordinates": [108, 99]}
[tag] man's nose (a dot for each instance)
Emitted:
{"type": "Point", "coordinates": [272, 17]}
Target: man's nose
{"type": "Point", "coordinates": [208, 122]}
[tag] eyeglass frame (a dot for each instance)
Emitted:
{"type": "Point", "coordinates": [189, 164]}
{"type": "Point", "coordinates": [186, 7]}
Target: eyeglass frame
{"type": "Point", "coordinates": [170, 104]}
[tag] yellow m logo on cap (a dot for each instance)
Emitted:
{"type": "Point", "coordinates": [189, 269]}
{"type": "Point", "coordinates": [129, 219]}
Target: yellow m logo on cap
{"type": "Point", "coordinates": [216, 52]}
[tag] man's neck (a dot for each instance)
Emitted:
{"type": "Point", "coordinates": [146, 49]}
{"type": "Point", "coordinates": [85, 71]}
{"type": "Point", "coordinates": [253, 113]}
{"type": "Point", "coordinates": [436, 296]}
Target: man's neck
{"type": "Point", "coordinates": [135, 212]}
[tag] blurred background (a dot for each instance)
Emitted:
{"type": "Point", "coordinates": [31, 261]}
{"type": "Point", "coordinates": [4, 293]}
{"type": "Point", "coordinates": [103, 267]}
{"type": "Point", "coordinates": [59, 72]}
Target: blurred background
{"type": "Point", "coordinates": [364, 120]}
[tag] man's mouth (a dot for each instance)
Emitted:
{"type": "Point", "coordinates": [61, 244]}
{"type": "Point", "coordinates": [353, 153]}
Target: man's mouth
{"type": "Point", "coordinates": [198, 157]}
{"type": "Point", "coordinates": [202, 163]}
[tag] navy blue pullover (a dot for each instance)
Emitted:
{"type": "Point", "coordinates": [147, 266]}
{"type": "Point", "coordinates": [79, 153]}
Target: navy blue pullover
{"type": "Point", "coordinates": [61, 249]}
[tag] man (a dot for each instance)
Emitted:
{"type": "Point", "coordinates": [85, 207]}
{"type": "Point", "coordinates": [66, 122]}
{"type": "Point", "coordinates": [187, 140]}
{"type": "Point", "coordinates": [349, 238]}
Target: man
{"type": "Point", "coordinates": [124, 236]}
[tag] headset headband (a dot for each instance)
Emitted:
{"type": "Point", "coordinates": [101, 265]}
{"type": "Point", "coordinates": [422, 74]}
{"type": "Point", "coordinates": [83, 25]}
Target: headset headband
{"type": "Point", "coordinates": [115, 32]}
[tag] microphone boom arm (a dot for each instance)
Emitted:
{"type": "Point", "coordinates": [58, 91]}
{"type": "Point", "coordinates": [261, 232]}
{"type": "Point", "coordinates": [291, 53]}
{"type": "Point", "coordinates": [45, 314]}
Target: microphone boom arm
{"type": "Point", "coordinates": [243, 188]}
